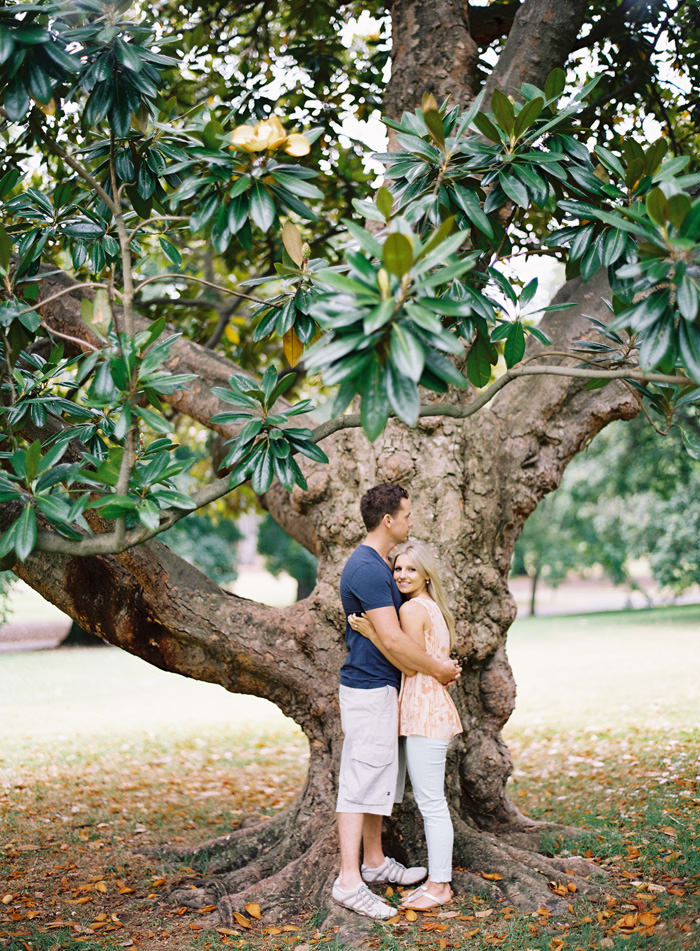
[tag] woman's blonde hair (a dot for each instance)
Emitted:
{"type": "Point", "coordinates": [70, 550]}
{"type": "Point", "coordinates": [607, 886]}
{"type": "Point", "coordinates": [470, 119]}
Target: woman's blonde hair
{"type": "Point", "coordinates": [427, 565]}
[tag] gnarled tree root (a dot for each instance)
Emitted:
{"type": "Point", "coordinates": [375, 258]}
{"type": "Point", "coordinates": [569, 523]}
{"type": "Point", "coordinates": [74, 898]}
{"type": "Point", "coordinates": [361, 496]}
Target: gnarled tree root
{"type": "Point", "coordinates": [286, 869]}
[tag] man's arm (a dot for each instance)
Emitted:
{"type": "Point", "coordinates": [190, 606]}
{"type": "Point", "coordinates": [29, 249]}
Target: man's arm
{"type": "Point", "coordinates": [392, 642]}
{"type": "Point", "coordinates": [362, 624]}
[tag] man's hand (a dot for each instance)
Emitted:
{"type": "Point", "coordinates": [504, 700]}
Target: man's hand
{"type": "Point", "coordinates": [450, 673]}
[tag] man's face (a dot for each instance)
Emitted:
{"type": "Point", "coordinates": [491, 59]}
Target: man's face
{"type": "Point", "coordinates": [399, 524]}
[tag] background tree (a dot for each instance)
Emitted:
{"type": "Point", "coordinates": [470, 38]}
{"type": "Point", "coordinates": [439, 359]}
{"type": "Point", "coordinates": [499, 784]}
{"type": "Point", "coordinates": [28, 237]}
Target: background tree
{"type": "Point", "coordinates": [157, 186]}
{"type": "Point", "coordinates": [629, 496]}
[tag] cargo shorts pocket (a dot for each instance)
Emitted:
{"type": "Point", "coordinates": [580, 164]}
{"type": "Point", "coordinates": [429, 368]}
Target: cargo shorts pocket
{"type": "Point", "coordinates": [372, 773]}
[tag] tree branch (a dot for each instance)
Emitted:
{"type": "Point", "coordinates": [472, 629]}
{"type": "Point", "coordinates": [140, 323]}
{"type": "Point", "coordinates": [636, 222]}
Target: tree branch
{"type": "Point", "coordinates": [77, 166]}
{"type": "Point", "coordinates": [542, 36]}
{"type": "Point", "coordinates": [486, 24]}
{"type": "Point", "coordinates": [155, 218]}
{"type": "Point", "coordinates": [199, 280]}
{"type": "Point", "coordinates": [116, 542]}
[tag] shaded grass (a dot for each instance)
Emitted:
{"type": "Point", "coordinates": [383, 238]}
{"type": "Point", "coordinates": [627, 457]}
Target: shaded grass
{"type": "Point", "coordinates": [102, 753]}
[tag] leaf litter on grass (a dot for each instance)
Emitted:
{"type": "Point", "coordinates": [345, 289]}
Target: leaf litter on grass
{"type": "Point", "coordinates": [71, 878]}
{"type": "Point", "coordinates": [74, 816]}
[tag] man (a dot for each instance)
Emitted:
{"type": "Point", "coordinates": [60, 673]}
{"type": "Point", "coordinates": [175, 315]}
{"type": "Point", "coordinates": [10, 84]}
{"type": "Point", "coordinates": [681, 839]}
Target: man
{"type": "Point", "coordinates": [371, 777]}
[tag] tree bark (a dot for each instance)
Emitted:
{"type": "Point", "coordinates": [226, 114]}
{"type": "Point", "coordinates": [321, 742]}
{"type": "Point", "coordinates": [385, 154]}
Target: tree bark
{"type": "Point", "coordinates": [473, 483]}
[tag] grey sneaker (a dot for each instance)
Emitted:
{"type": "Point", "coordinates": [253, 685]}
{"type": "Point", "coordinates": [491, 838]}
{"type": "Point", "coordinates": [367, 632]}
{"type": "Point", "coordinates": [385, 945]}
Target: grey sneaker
{"type": "Point", "coordinates": [363, 901]}
{"type": "Point", "coordinates": [394, 872]}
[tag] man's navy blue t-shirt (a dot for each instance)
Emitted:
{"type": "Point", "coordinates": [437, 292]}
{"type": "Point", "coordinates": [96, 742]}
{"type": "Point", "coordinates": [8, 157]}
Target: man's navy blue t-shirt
{"type": "Point", "coordinates": [367, 583]}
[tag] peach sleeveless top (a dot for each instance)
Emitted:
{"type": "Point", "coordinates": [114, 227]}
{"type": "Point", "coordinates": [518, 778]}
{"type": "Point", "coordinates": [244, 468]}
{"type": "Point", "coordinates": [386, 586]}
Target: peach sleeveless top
{"type": "Point", "coordinates": [425, 707]}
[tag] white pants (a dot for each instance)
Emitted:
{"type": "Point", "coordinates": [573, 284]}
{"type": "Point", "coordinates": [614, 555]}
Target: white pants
{"type": "Point", "coordinates": [425, 760]}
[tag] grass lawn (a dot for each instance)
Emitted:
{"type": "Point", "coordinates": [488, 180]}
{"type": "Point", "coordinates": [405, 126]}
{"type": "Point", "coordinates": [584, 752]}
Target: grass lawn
{"type": "Point", "coordinates": [100, 752]}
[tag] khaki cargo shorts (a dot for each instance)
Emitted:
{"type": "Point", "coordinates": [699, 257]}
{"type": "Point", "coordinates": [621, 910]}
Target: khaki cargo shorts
{"type": "Point", "coordinates": [372, 765]}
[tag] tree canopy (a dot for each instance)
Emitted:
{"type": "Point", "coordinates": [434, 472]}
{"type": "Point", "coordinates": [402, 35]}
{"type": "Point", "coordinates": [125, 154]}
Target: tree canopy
{"type": "Point", "coordinates": [119, 168]}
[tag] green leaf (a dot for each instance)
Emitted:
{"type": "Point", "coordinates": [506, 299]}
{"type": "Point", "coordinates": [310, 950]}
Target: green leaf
{"type": "Point", "coordinates": [171, 252]}
{"type": "Point", "coordinates": [374, 411]}
{"type": "Point", "coordinates": [39, 83]}
{"type": "Point", "coordinates": [514, 189]}
{"type": "Point", "coordinates": [657, 206]}
{"type": "Point", "coordinates": [407, 353]}
{"type": "Point", "coordinates": [366, 240]}
{"type": "Point", "coordinates": [487, 128]}
{"type": "Point", "coordinates": [527, 115]}
{"type": "Point", "coordinates": [32, 459]}
{"type": "Point", "coordinates": [528, 292]}
{"type": "Point", "coordinates": [398, 254]}
{"type": "Point", "coordinates": [689, 347]}
{"type": "Point", "coordinates": [84, 229]}
{"type": "Point", "coordinates": [610, 161]}
{"type": "Point", "coordinates": [173, 499]}
{"type": "Point", "coordinates": [7, 45]}
{"type": "Point", "coordinates": [515, 344]}
{"type": "Point", "coordinates": [145, 182]}
{"type": "Point", "coordinates": [262, 475]}
{"type": "Point", "coordinates": [688, 298]}
{"type": "Point", "coordinates": [213, 133]}
{"type": "Point", "coordinates": [503, 110]}
{"type": "Point", "coordinates": [5, 249]}
{"type": "Point", "coordinates": [656, 344]}
{"type": "Point", "coordinates": [554, 83]}
{"type": "Point", "coordinates": [403, 395]}
{"type": "Point", "coordinates": [691, 444]}
{"type": "Point", "coordinates": [471, 206]}
{"type": "Point", "coordinates": [238, 213]}
{"type": "Point", "coordinates": [204, 213]}
{"type": "Point", "coordinates": [440, 366]}
{"type": "Point", "coordinates": [149, 515]}
{"type": "Point", "coordinates": [433, 121]}
{"type": "Point", "coordinates": [385, 202]}
{"type": "Point", "coordinates": [157, 422]}
{"type": "Point", "coordinates": [379, 316]}
{"type": "Point", "coordinates": [262, 209]}
{"type": "Point", "coordinates": [25, 533]}
{"type": "Point", "coordinates": [99, 103]}
{"type": "Point", "coordinates": [442, 233]}
{"type": "Point", "coordinates": [613, 246]}
{"type": "Point", "coordinates": [16, 100]}
{"type": "Point", "coordinates": [482, 356]}
{"type": "Point", "coordinates": [127, 56]}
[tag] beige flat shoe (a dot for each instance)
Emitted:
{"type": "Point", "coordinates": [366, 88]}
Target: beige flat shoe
{"type": "Point", "coordinates": [420, 899]}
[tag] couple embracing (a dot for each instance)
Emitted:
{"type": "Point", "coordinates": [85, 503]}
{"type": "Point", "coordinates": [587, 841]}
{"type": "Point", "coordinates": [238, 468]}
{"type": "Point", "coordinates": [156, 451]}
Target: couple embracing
{"type": "Point", "coordinates": [399, 633]}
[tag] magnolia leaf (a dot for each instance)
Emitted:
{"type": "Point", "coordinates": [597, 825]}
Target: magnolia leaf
{"type": "Point", "coordinates": [293, 242]}
{"type": "Point", "coordinates": [398, 254]}
{"type": "Point", "coordinates": [293, 348]}
{"type": "Point", "coordinates": [433, 120]}
{"type": "Point", "coordinates": [385, 202]}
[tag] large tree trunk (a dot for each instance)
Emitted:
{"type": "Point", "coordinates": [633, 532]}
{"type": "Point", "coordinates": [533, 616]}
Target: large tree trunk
{"type": "Point", "coordinates": [473, 482]}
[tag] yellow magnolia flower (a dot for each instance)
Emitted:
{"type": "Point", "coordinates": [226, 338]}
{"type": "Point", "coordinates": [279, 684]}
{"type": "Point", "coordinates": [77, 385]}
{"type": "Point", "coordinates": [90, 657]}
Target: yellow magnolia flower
{"type": "Point", "coordinates": [242, 136]}
{"type": "Point", "coordinates": [297, 145]}
{"type": "Point", "coordinates": [272, 131]}
{"type": "Point", "coordinates": [269, 134]}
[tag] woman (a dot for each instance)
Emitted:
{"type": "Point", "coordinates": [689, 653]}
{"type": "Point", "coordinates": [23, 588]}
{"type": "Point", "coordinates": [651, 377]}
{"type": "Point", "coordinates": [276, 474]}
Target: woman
{"type": "Point", "coordinates": [427, 716]}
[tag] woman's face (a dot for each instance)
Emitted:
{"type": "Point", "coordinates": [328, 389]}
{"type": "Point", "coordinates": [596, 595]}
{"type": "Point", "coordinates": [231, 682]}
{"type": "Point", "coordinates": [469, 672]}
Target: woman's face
{"type": "Point", "coordinates": [409, 579]}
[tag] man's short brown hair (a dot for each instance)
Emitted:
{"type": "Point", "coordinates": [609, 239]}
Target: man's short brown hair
{"type": "Point", "coordinates": [381, 500]}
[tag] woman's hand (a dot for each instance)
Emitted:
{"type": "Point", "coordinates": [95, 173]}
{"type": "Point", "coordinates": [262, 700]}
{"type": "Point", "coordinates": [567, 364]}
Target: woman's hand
{"type": "Point", "coordinates": [358, 622]}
